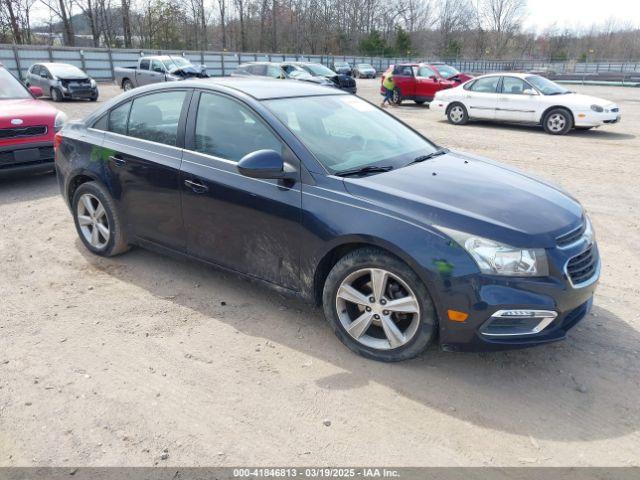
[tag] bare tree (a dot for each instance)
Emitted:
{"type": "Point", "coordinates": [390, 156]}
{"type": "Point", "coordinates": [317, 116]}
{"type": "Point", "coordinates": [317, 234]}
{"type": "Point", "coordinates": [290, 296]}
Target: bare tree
{"type": "Point", "coordinates": [503, 18]}
{"type": "Point", "coordinates": [62, 9]}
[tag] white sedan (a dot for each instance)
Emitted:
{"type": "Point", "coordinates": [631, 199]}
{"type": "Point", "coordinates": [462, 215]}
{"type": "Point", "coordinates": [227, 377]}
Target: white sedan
{"type": "Point", "coordinates": [524, 98]}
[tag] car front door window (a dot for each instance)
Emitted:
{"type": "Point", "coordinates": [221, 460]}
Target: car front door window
{"type": "Point", "coordinates": [227, 129]}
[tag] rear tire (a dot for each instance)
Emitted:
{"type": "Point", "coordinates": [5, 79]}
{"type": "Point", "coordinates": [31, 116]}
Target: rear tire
{"type": "Point", "coordinates": [457, 114]}
{"type": "Point", "coordinates": [97, 220]}
{"type": "Point", "coordinates": [557, 121]}
{"type": "Point", "coordinates": [127, 85]}
{"type": "Point", "coordinates": [397, 96]}
{"type": "Point", "coordinates": [396, 326]}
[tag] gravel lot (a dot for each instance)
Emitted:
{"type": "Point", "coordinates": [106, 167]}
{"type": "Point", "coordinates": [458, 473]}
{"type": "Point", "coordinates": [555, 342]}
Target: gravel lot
{"type": "Point", "coordinates": [144, 359]}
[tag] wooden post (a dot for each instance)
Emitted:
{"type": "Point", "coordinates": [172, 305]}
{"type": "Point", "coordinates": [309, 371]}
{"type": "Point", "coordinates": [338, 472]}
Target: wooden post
{"type": "Point", "coordinates": [17, 59]}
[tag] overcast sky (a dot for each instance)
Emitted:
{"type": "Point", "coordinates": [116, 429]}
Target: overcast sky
{"type": "Point", "coordinates": [580, 13]}
{"type": "Point", "coordinates": [541, 13]}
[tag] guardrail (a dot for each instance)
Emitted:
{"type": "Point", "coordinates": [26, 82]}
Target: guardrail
{"type": "Point", "coordinates": [99, 63]}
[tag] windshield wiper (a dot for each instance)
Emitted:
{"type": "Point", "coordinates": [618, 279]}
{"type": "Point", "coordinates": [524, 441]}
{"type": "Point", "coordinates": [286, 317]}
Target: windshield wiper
{"type": "Point", "coordinates": [363, 170]}
{"type": "Point", "coordinates": [429, 156]}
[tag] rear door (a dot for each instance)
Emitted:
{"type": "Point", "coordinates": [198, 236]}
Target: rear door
{"type": "Point", "coordinates": [481, 97]}
{"type": "Point", "coordinates": [404, 80]}
{"type": "Point", "coordinates": [517, 101]}
{"type": "Point", "coordinates": [427, 83]}
{"type": "Point", "coordinates": [142, 152]}
{"type": "Point", "coordinates": [244, 224]}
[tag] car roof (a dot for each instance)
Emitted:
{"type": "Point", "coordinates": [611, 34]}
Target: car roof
{"type": "Point", "coordinates": [507, 74]}
{"type": "Point", "coordinates": [260, 88]}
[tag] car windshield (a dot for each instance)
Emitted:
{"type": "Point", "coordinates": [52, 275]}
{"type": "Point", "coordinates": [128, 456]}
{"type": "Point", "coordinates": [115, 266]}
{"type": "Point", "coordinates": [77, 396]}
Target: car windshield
{"type": "Point", "coordinates": [365, 66]}
{"type": "Point", "coordinates": [63, 70]}
{"type": "Point", "coordinates": [447, 71]}
{"type": "Point", "coordinates": [346, 133]}
{"type": "Point", "coordinates": [317, 69]}
{"type": "Point", "coordinates": [546, 86]}
{"type": "Point", "coordinates": [10, 87]}
{"type": "Point", "coordinates": [173, 63]}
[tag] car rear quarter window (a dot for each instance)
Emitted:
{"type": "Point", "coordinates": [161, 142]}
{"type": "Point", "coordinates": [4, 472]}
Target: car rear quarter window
{"type": "Point", "coordinates": [118, 119]}
{"type": "Point", "coordinates": [102, 123]}
{"type": "Point", "coordinates": [485, 85]}
{"type": "Point", "coordinates": [155, 117]}
{"type": "Point", "coordinates": [227, 129]}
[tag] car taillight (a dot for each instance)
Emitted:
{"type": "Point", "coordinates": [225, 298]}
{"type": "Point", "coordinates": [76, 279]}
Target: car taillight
{"type": "Point", "coordinates": [57, 140]}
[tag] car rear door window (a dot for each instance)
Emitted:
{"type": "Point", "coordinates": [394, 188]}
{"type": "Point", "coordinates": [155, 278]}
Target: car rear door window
{"type": "Point", "coordinates": [144, 64]}
{"type": "Point", "coordinates": [118, 119]}
{"type": "Point", "coordinates": [155, 117]}
{"type": "Point", "coordinates": [258, 70]}
{"type": "Point", "coordinates": [227, 129]}
{"type": "Point", "coordinates": [485, 85]}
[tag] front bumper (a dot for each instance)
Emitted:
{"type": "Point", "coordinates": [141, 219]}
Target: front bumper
{"type": "Point", "coordinates": [26, 158]}
{"type": "Point", "coordinates": [558, 303]}
{"type": "Point", "coordinates": [79, 93]}
{"type": "Point", "coordinates": [596, 119]}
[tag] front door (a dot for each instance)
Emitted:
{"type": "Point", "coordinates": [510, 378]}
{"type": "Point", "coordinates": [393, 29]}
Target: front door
{"type": "Point", "coordinates": [142, 154]}
{"type": "Point", "coordinates": [244, 224]}
{"type": "Point", "coordinates": [427, 83]}
{"type": "Point", "coordinates": [516, 101]}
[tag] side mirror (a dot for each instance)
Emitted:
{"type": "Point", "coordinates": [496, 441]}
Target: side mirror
{"type": "Point", "coordinates": [529, 91]}
{"type": "Point", "coordinates": [35, 91]}
{"type": "Point", "coordinates": [434, 78]}
{"type": "Point", "coordinates": [265, 164]}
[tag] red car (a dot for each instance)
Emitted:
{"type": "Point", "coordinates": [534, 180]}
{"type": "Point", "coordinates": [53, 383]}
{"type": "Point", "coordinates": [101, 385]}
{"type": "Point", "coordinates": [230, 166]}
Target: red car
{"type": "Point", "coordinates": [420, 81]}
{"type": "Point", "coordinates": [27, 128]}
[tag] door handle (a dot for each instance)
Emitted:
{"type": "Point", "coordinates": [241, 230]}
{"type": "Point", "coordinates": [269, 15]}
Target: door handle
{"type": "Point", "coordinates": [196, 187]}
{"type": "Point", "coordinates": [118, 161]}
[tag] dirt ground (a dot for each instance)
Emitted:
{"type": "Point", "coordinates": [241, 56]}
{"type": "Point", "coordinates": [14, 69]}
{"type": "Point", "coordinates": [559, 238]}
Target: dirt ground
{"type": "Point", "coordinates": [119, 361]}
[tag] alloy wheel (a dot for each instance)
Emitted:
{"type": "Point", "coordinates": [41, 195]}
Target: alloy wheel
{"type": "Point", "coordinates": [556, 122]}
{"type": "Point", "coordinates": [93, 221]}
{"type": "Point", "coordinates": [378, 309]}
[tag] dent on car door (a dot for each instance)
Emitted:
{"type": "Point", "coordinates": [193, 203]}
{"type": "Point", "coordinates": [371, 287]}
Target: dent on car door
{"type": "Point", "coordinates": [245, 224]}
{"type": "Point", "coordinates": [142, 154]}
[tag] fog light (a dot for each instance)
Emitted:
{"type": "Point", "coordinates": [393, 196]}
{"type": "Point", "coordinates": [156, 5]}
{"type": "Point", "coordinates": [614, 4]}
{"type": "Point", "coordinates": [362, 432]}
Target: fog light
{"type": "Point", "coordinates": [517, 322]}
{"type": "Point", "coordinates": [456, 316]}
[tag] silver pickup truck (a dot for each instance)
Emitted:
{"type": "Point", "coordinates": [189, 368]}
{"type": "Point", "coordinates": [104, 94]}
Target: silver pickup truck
{"type": "Point", "coordinates": [162, 68]}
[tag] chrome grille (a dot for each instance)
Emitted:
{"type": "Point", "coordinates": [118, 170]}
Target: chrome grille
{"type": "Point", "coordinates": [583, 267]}
{"type": "Point", "coordinates": [571, 237]}
{"type": "Point", "coordinates": [20, 132]}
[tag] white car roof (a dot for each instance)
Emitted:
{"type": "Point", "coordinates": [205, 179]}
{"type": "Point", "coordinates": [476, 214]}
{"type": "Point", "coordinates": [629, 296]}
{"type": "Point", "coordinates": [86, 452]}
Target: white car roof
{"type": "Point", "coordinates": [506, 74]}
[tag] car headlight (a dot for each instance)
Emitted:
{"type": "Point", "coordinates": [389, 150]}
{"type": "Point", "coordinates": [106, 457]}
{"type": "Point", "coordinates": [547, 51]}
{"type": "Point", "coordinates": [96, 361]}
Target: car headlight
{"type": "Point", "coordinates": [597, 108]}
{"type": "Point", "coordinates": [93, 83]}
{"type": "Point", "coordinates": [589, 233]}
{"type": "Point", "coordinates": [496, 258]}
{"type": "Point", "coordinates": [61, 119]}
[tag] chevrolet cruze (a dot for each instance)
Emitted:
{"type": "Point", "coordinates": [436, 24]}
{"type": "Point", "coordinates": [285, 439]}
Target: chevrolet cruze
{"type": "Point", "coordinates": [319, 193]}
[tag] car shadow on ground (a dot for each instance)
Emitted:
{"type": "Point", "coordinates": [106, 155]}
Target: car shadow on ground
{"type": "Point", "coordinates": [577, 390]}
{"type": "Point", "coordinates": [586, 134]}
{"type": "Point", "coordinates": [32, 187]}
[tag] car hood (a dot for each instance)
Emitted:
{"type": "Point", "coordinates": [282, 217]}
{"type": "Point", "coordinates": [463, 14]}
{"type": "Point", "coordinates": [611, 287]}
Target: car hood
{"type": "Point", "coordinates": [29, 110]}
{"type": "Point", "coordinates": [474, 195]}
{"type": "Point", "coordinates": [580, 100]}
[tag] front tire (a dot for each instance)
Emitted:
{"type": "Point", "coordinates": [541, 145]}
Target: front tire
{"type": "Point", "coordinates": [457, 114]}
{"type": "Point", "coordinates": [557, 122]}
{"type": "Point", "coordinates": [56, 96]}
{"type": "Point", "coordinates": [378, 307]}
{"type": "Point", "coordinates": [97, 220]}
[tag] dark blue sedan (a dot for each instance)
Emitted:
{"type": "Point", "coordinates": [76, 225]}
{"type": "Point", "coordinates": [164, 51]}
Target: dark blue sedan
{"type": "Point", "coordinates": [319, 193]}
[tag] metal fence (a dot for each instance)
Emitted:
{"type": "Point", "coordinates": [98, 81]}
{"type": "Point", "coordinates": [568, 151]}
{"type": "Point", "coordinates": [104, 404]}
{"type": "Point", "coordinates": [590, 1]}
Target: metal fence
{"type": "Point", "coordinates": [99, 63]}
